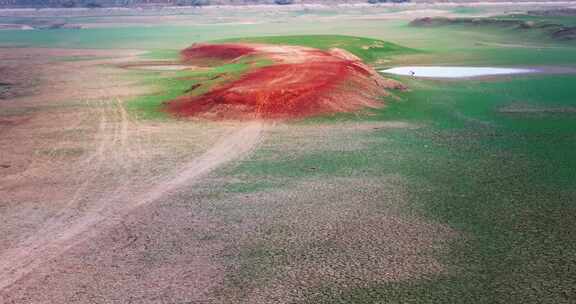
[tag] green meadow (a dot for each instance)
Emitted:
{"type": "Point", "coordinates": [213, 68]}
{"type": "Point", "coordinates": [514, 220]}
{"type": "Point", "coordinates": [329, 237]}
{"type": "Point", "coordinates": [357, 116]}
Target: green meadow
{"type": "Point", "coordinates": [493, 159]}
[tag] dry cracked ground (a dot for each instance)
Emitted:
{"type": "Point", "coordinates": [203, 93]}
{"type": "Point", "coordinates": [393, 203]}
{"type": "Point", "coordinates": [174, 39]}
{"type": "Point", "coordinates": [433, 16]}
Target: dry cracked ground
{"type": "Point", "coordinates": [99, 206]}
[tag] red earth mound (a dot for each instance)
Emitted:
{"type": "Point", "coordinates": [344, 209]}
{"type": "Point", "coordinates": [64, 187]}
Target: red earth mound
{"type": "Point", "coordinates": [216, 51]}
{"type": "Point", "coordinates": [301, 82]}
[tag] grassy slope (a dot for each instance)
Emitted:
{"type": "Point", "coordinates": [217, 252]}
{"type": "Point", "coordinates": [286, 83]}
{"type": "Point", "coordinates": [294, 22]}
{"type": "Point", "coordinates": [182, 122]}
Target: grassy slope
{"type": "Point", "coordinates": [175, 84]}
{"type": "Point", "coordinates": [563, 20]}
{"type": "Point", "coordinates": [503, 179]}
{"type": "Point", "coordinates": [519, 27]}
{"type": "Point", "coordinates": [368, 49]}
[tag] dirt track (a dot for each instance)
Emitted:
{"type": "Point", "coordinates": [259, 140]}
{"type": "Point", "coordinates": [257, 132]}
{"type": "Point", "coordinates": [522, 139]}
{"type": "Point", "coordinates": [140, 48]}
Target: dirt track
{"type": "Point", "coordinates": [94, 185]}
{"type": "Point", "coordinates": [67, 229]}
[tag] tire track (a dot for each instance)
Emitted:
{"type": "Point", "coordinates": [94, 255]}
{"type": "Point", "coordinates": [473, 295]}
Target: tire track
{"type": "Point", "coordinates": [63, 234]}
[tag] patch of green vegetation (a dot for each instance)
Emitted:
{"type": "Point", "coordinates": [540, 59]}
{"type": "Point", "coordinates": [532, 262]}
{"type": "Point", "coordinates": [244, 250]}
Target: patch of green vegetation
{"type": "Point", "coordinates": [504, 181]}
{"type": "Point", "coordinates": [527, 27]}
{"type": "Point", "coordinates": [502, 178]}
{"type": "Point", "coordinates": [367, 49]}
{"type": "Point", "coordinates": [308, 165]}
{"type": "Point", "coordinates": [161, 54]}
{"type": "Point", "coordinates": [175, 84]}
{"type": "Point", "coordinates": [169, 86]}
{"type": "Point", "coordinates": [561, 20]}
{"type": "Point", "coordinates": [467, 10]}
{"type": "Point", "coordinates": [160, 37]}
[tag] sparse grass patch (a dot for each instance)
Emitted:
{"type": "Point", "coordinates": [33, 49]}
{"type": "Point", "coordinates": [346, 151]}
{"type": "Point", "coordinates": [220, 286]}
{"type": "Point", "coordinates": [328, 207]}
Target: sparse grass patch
{"type": "Point", "coordinates": [161, 54]}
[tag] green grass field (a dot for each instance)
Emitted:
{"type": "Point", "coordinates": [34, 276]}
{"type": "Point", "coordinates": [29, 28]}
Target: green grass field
{"type": "Point", "coordinates": [504, 179]}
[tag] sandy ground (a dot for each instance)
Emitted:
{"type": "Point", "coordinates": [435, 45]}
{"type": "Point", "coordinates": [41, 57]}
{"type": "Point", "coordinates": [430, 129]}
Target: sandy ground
{"type": "Point", "coordinates": [98, 206]}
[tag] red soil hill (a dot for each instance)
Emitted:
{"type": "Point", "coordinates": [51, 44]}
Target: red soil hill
{"type": "Point", "coordinates": [301, 82]}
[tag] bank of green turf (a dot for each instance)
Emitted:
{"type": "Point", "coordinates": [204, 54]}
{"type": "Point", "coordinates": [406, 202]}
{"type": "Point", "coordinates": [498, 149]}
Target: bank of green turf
{"type": "Point", "coordinates": [170, 85]}
{"type": "Point", "coordinates": [492, 158]}
{"type": "Point", "coordinates": [522, 27]}
{"type": "Point", "coordinates": [559, 20]}
{"type": "Point", "coordinates": [162, 54]}
{"type": "Point", "coordinates": [367, 49]}
{"type": "Point", "coordinates": [467, 10]}
{"type": "Point", "coordinates": [503, 180]}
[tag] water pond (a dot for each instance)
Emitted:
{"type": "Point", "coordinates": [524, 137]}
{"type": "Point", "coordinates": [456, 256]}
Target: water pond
{"type": "Point", "coordinates": [454, 71]}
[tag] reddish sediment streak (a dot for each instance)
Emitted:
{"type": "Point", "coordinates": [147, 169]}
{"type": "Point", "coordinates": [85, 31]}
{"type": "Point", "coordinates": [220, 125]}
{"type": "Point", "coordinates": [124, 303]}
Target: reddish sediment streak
{"type": "Point", "coordinates": [301, 82]}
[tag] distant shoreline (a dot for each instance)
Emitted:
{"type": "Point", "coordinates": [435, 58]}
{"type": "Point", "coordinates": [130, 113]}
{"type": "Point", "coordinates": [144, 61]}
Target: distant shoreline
{"type": "Point", "coordinates": [159, 7]}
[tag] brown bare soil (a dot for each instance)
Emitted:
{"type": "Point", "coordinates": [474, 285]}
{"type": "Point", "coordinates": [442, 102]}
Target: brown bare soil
{"type": "Point", "coordinates": [76, 162]}
{"type": "Point", "coordinates": [100, 207]}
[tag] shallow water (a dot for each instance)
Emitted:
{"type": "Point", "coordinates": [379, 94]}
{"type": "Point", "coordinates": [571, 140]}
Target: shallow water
{"type": "Point", "coordinates": [454, 72]}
